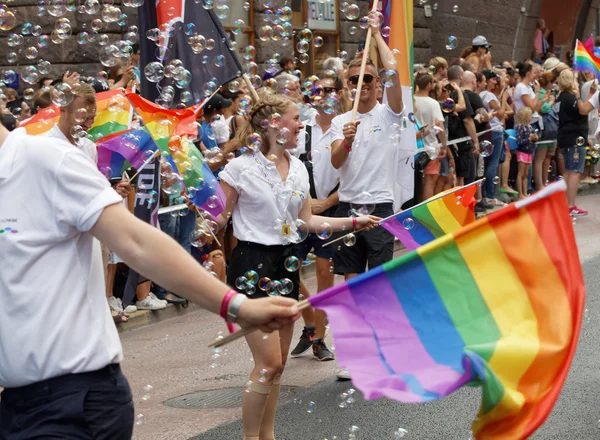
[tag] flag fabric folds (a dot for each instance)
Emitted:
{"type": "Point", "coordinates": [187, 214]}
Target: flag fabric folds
{"type": "Point", "coordinates": [112, 116]}
{"type": "Point", "coordinates": [498, 302]}
{"type": "Point", "coordinates": [585, 60]}
{"type": "Point", "coordinates": [128, 148]}
{"type": "Point", "coordinates": [432, 219]}
{"type": "Point", "coordinates": [170, 130]}
{"type": "Point", "coordinates": [186, 27]}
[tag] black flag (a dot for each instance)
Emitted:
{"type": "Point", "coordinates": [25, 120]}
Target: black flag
{"type": "Point", "coordinates": [188, 33]}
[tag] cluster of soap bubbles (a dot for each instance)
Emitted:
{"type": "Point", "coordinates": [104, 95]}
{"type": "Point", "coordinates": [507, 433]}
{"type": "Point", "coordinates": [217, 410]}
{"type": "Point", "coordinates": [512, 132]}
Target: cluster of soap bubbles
{"type": "Point", "coordinates": [347, 398]}
{"type": "Point", "coordinates": [250, 281]}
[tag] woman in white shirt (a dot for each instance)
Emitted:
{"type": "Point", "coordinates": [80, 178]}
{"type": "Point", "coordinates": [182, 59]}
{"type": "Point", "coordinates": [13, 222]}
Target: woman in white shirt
{"type": "Point", "coordinates": [525, 95]}
{"type": "Point", "coordinates": [267, 191]}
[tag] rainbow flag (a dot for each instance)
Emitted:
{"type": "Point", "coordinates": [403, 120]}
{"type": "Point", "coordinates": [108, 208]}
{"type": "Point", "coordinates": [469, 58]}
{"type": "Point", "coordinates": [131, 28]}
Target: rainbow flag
{"type": "Point", "coordinates": [170, 130]}
{"type": "Point", "coordinates": [112, 116]}
{"type": "Point", "coordinates": [398, 15]}
{"type": "Point", "coordinates": [118, 152]}
{"type": "Point", "coordinates": [434, 218]}
{"type": "Point", "coordinates": [497, 303]}
{"type": "Point", "coordinates": [585, 61]}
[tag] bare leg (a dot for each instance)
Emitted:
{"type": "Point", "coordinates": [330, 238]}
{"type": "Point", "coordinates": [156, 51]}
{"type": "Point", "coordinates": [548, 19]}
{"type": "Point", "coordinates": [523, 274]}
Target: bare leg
{"type": "Point", "coordinates": [324, 281]}
{"type": "Point", "coordinates": [538, 163]}
{"type": "Point", "coordinates": [110, 279]}
{"type": "Point", "coordinates": [308, 314]}
{"type": "Point", "coordinates": [522, 180]}
{"type": "Point", "coordinates": [505, 170]}
{"type": "Point", "coordinates": [572, 180]}
{"type": "Point", "coordinates": [143, 290]}
{"type": "Point", "coordinates": [267, 426]}
{"type": "Point", "coordinates": [429, 181]}
{"type": "Point", "coordinates": [267, 357]}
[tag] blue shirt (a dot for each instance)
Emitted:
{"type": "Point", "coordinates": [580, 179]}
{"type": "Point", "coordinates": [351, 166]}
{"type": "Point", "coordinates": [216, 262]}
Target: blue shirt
{"type": "Point", "coordinates": [209, 141]}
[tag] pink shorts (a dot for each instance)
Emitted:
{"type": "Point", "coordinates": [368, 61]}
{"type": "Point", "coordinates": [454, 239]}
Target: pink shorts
{"type": "Point", "coordinates": [433, 167]}
{"type": "Point", "coordinates": [524, 157]}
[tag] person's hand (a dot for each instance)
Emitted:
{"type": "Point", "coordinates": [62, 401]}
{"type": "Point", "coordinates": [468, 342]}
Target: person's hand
{"type": "Point", "coordinates": [475, 149]}
{"type": "Point", "coordinates": [374, 22]}
{"type": "Point", "coordinates": [487, 56]}
{"type": "Point", "coordinates": [70, 78]}
{"type": "Point", "coordinates": [129, 74]}
{"type": "Point", "coordinates": [536, 87]}
{"type": "Point", "coordinates": [367, 222]}
{"type": "Point", "coordinates": [318, 206]}
{"type": "Point", "coordinates": [268, 314]}
{"type": "Point", "coordinates": [349, 131]}
{"type": "Point", "coordinates": [123, 188]}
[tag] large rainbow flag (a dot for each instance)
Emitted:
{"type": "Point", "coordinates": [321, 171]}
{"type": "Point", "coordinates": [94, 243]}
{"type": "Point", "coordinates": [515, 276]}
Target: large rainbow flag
{"type": "Point", "coordinates": [434, 218]}
{"type": "Point", "coordinates": [112, 116]}
{"type": "Point", "coordinates": [585, 60]}
{"type": "Point", "coordinates": [497, 303]}
{"type": "Point", "coordinates": [170, 130]}
{"type": "Point", "coordinates": [398, 15]}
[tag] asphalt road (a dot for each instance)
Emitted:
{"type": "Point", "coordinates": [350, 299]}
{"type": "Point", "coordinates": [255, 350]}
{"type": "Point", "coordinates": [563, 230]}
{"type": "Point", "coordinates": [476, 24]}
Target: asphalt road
{"type": "Point", "coordinates": [576, 415]}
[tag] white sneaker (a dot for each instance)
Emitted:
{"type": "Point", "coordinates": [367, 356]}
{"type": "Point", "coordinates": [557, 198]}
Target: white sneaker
{"type": "Point", "coordinates": [150, 303]}
{"type": "Point", "coordinates": [115, 304]}
{"type": "Point", "coordinates": [130, 308]}
{"type": "Point", "coordinates": [343, 374]}
{"type": "Point", "coordinates": [154, 297]}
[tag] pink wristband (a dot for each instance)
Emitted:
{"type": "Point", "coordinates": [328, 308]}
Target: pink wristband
{"type": "Point", "coordinates": [225, 303]}
{"type": "Point", "coordinates": [354, 222]}
{"type": "Point", "coordinates": [346, 146]}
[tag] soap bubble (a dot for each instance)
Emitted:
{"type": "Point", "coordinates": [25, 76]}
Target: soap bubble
{"type": "Point", "coordinates": [318, 41]}
{"type": "Point", "coordinates": [61, 94]}
{"type": "Point", "coordinates": [455, 9]}
{"type": "Point", "coordinates": [451, 43]}
{"type": "Point", "coordinates": [154, 71]}
{"type": "Point", "coordinates": [251, 277]}
{"type": "Point", "coordinates": [81, 115]}
{"type": "Point", "coordinates": [431, 70]}
{"type": "Point", "coordinates": [400, 433]}
{"type": "Point", "coordinates": [324, 231]}
{"type": "Point", "coordinates": [349, 240]}
{"type": "Point", "coordinates": [496, 180]}
{"type": "Point", "coordinates": [292, 264]}
{"type": "Point", "coordinates": [139, 420]}
{"type": "Point", "coordinates": [264, 284]}
{"type": "Point", "coordinates": [352, 12]}
{"type": "Point", "coordinates": [448, 105]}
{"type": "Point", "coordinates": [389, 78]}
{"type": "Point", "coordinates": [408, 223]}
{"type": "Point", "coordinates": [580, 141]}
{"type": "Point", "coordinates": [310, 407]}
{"type": "Point", "coordinates": [146, 394]}
{"type": "Point", "coordinates": [486, 148]}
{"type": "Point", "coordinates": [285, 286]}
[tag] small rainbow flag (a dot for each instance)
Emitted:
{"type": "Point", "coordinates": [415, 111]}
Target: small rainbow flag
{"type": "Point", "coordinates": [112, 116]}
{"type": "Point", "coordinates": [434, 218]}
{"type": "Point", "coordinates": [118, 152]}
{"type": "Point", "coordinates": [170, 130]}
{"type": "Point", "coordinates": [585, 61]}
{"type": "Point", "coordinates": [497, 303]}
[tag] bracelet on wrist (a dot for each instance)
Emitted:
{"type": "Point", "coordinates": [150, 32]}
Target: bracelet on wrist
{"type": "Point", "coordinates": [354, 223]}
{"type": "Point", "coordinates": [234, 307]}
{"type": "Point", "coordinates": [225, 303]}
{"type": "Point", "coordinates": [346, 146]}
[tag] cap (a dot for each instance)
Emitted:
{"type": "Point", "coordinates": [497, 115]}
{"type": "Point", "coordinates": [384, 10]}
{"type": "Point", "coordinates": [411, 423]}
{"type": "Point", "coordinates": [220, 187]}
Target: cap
{"type": "Point", "coordinates": [227, 94]}
{"type": "Point", "coordinates": [550, 64]}
{"type": "Point", "coordinates": [489, 74]}
{"type": "Point", "coordinates": [217, 102]}
{"type": "Point", "coordinates": [480, 40]}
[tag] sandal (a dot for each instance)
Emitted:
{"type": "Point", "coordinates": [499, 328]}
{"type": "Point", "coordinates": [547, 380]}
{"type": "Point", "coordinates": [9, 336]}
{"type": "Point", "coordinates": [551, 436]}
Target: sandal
{"type": "Point", "coordinates": [119, 316]}
{"type": "Point", "coordinates": [509, 191]}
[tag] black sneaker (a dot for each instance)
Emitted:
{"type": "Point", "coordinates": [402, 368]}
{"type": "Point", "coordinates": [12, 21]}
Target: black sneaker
{"type": "Point", "coordinates": [480, 207]}
{"type": "Point", "coordinates": [306, 341]}
{"type": "Point", "coordinates": [321, 351]}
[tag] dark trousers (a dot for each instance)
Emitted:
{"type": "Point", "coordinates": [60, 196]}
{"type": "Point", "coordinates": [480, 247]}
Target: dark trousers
{"type": "Point", "coordinates": [94, 405]}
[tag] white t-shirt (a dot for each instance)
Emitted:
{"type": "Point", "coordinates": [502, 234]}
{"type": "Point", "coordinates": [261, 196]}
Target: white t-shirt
{"type": "Point", "coordinates": [87, 146]}
{"type": "Point", "coordinates": [371, 165]}
{"type": "Point", "coordinates": [266, 203]}
{"type": "Point", "coordinates": [325, 176]}
{"type": "Point", "coordinates": [54, 319]}
{"type": "Point", "coordinates": [428, 111]}
{"type": "Point", "coordinates": [520, 90]}
{"type": "Point", "coordinates": [487, 97]}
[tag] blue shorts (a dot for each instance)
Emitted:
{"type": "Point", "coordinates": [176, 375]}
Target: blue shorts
{"type": "Point", "coordinates": [572, 165]}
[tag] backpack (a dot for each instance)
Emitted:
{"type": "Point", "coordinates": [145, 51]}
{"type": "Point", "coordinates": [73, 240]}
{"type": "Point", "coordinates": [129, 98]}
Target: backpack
{"type": "Point", "coordinates": [550, 121]}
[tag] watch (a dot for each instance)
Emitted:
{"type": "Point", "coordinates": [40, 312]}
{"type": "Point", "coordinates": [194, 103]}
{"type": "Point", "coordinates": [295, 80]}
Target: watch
{"type": "Point", "coordinates": [234, 307]}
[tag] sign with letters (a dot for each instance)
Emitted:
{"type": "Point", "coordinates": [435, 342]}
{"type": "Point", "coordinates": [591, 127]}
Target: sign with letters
{"type": "Point", "coordinates": [322, 16]}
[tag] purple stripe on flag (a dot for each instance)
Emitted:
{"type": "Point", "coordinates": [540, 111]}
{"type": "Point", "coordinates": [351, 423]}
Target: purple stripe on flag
{"type": "Point", "coordinates": [400, 344]}
{"type": "Point", "coordinates": [401, 233]}
{"type": "Point", "coordinates": [357, 349]}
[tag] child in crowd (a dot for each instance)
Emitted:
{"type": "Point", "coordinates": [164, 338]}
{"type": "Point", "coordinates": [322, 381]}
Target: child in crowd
{"type": "Point", "coordinates": [526, 140]}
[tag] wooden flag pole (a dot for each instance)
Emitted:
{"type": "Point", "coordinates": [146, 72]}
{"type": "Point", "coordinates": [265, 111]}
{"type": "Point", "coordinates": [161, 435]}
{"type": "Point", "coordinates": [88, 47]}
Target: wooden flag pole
{"type": "Point", "coordinates": [363, 67]}
{"type": "Point", "coordinates": [251, 87]}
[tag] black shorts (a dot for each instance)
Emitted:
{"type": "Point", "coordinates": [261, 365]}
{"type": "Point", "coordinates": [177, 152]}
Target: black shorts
{"type": "Point", "coordinates": [315, 244]}
{"type": "Point", "coordinates": [372, 248]}
{"type": "Point", "coordinates": [464, 160]}
{"type": "Point", "coordinates": [267, 262]}
{"type": "Point", "coordinates": [93, 405]}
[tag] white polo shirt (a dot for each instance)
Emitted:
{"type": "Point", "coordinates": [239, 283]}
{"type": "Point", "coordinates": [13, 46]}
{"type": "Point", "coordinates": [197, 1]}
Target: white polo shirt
{"type": "Point", "coordinates": [54, 319]}
{"type": "Point", "coordinates": [87, 146]}
{"type": "Point", "coordinates": [266, 203]}
{"type": "Point", "coordinates": [326, 177]}
{"type": "Point", "coordinates": [371, 165]}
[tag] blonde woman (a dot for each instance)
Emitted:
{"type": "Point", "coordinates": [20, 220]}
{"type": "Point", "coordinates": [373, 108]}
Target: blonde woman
{"type": "Point", "coordinates": [572, 133]}
{"type": "Point", "coordinates": [268, 192]}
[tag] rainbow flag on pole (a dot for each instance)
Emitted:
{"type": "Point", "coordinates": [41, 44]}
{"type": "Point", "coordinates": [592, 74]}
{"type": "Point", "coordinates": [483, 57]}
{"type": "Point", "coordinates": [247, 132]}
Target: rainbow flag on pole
{"type": "Point", "coordinates": [112, 116]}
{"type": "Point", "coordinates": [585, 61]}
{"type": "Point", "coordinates": [118, 152]}
{"type": "Point", "coordinates": [497, 303]}
{"type": "Point", "coordinates": [170, 130]}
{"type": "Point", "coordinates": [398, 15]}
{"type": "Point", "coordinates": [434, 218]}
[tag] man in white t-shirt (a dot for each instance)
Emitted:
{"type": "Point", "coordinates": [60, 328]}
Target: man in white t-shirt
{"type": "Point", "coordinates": [366, 157]}
{"type": "Point", "coordinates": [59, 348]}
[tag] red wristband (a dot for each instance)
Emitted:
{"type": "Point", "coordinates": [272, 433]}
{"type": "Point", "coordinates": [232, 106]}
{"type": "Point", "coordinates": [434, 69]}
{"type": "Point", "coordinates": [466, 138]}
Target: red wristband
{"type": "Point", "coordinates": [354, 222]}
{"type": "Point", "coordinates": [346, 146]}
{"type": "Point", "coordinates": [225, 303]}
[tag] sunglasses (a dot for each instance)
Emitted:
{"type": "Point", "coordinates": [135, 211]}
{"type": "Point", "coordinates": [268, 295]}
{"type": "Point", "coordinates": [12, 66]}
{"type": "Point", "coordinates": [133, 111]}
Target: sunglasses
{"type": "Point", "coordinates": [367, 79]}
{"type": "Point", "coordinates": [323, 90]}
